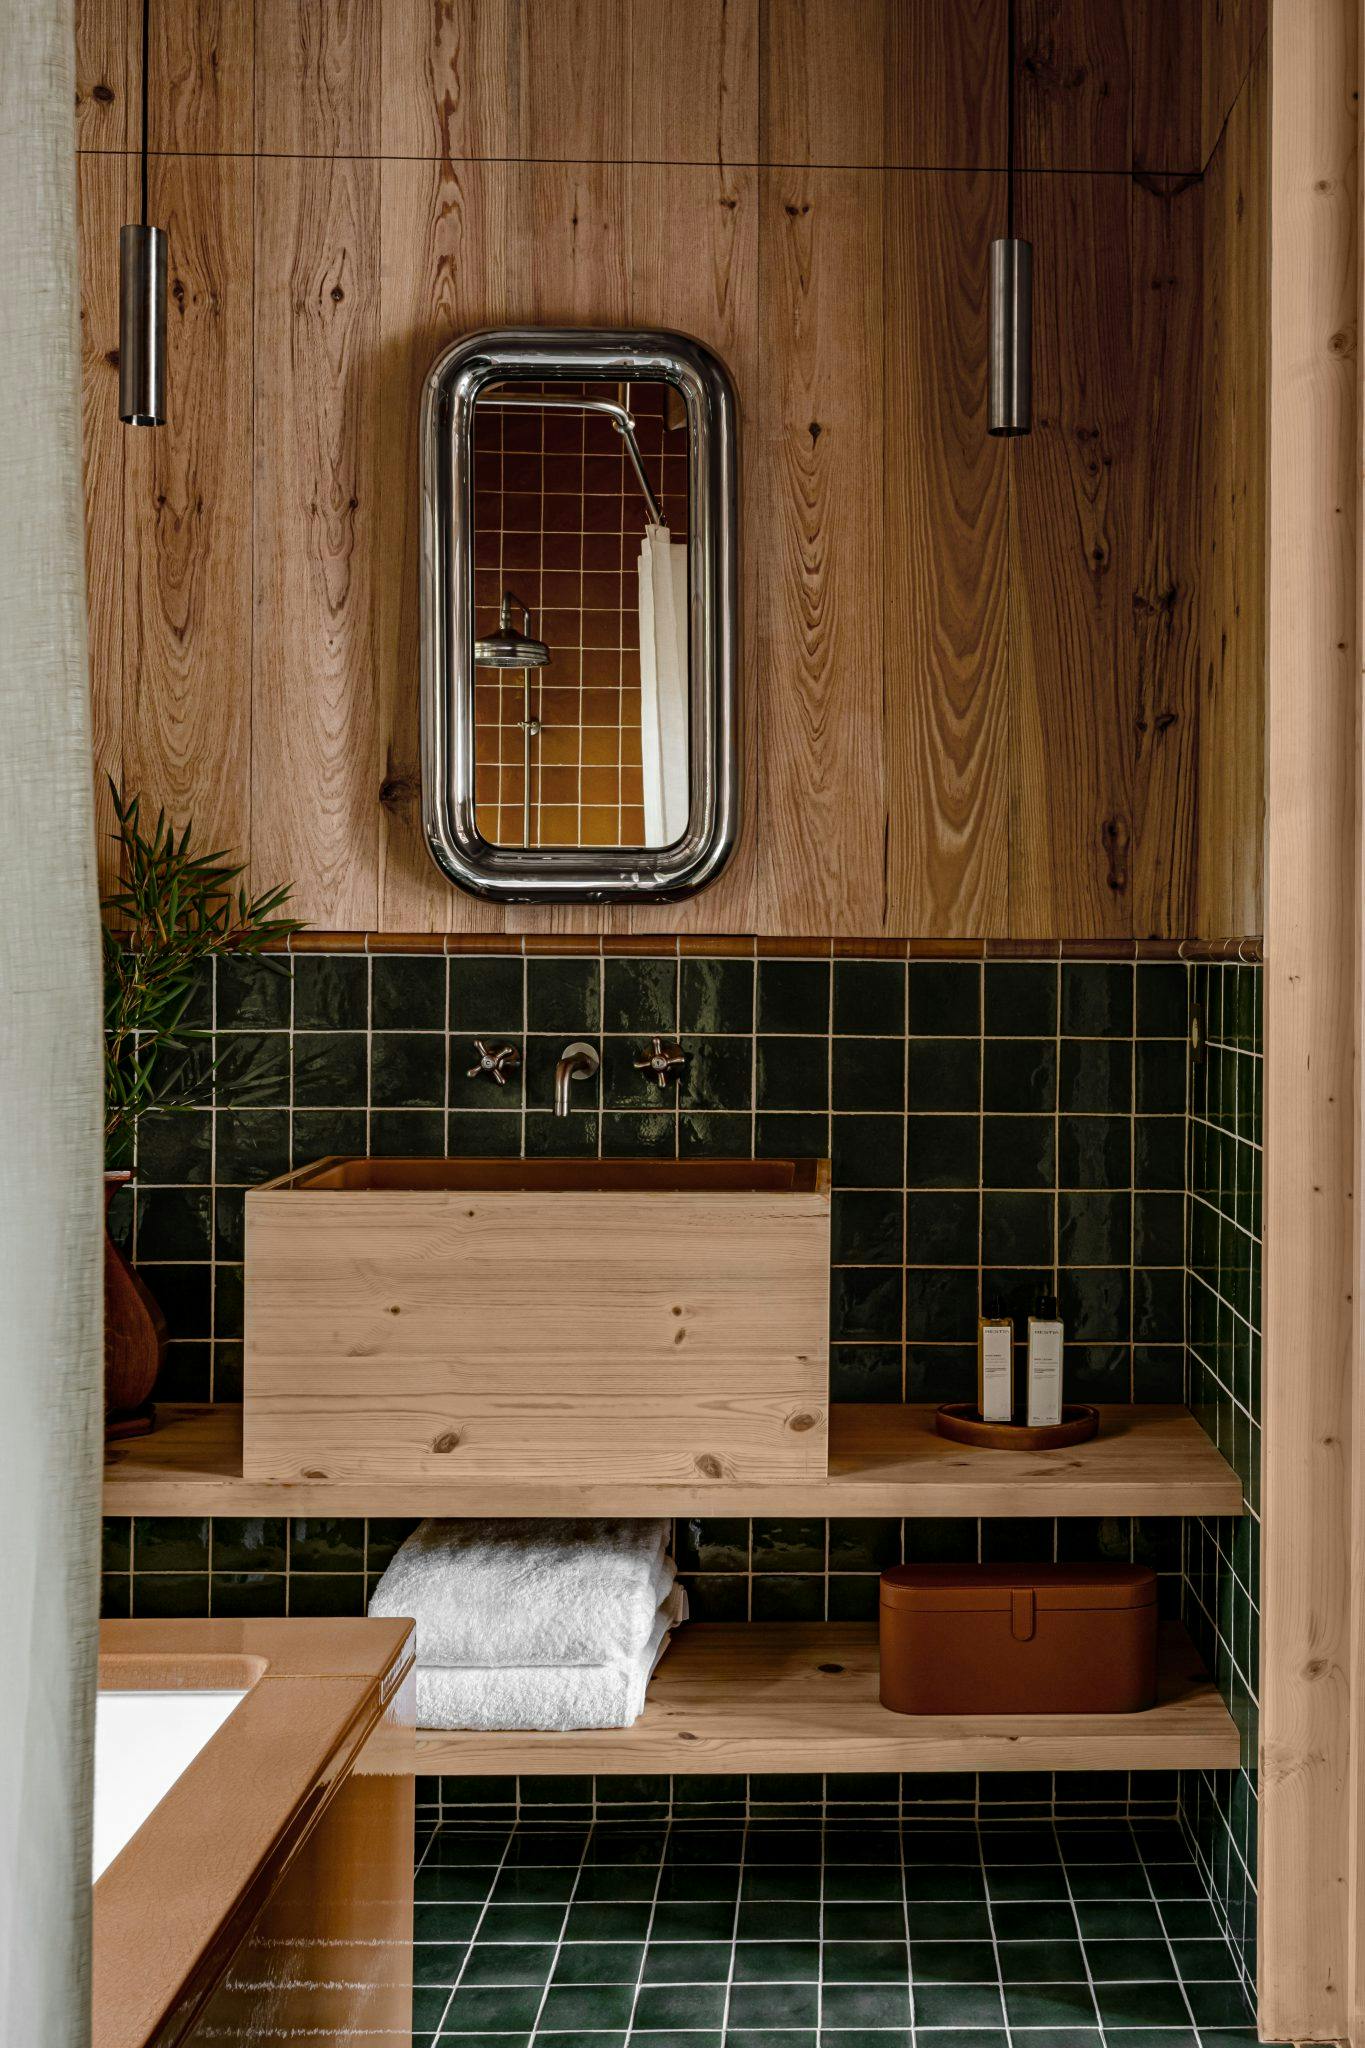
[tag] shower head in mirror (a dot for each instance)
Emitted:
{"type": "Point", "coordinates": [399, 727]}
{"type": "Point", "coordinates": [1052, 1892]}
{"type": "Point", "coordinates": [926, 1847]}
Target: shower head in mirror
{"type": "Point", "coordinates": [508, 648]}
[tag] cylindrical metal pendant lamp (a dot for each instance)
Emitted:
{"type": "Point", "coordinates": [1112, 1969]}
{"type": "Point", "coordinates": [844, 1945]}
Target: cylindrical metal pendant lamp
{"type": "Point", "coordinates": [1011, 366]}
{"type": "Point", "coordinates": [142, 326]}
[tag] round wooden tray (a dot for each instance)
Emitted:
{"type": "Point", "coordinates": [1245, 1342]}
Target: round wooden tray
{"type": "Point", "coordinates": [961, 1420]}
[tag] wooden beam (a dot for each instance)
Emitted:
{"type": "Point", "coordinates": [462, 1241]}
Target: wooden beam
{"type": "Point", "coordinates": [1308, 1702]}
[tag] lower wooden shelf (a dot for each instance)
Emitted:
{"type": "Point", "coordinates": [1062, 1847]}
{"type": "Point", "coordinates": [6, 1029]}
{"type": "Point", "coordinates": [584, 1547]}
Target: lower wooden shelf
{"type": "Point", "coordinates": [773, 1697]}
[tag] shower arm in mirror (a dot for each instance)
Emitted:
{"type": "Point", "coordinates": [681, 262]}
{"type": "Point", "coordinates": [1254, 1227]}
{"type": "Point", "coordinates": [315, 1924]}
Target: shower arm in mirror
{"type": "Point", "coordinates": [472, 373]}
{"type": "Point", "coordinates": [617, 414]}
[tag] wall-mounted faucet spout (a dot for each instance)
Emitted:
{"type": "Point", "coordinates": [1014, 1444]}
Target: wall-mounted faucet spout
{"type": "Point", "coordinates": [577, 1062]}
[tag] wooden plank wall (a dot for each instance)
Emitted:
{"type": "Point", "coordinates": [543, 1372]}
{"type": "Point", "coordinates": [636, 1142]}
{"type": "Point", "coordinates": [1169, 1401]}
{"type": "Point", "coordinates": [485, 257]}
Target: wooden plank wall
{"type": "Point", "coordinates": [971, 669]}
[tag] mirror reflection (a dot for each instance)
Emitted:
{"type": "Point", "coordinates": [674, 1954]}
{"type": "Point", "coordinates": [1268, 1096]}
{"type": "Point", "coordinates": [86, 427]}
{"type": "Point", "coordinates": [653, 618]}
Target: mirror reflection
{"type": "Point", "coordinates": [581, 615]}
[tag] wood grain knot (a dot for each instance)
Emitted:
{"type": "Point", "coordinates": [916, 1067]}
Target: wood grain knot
{"type": "Point", "coordinates": [833, 1668]}
{"type": "Point", "coordinates": [395, 1310]}
{"type": "Point", "coordinates": [709, 1465]}
{"type": "Point", "coordinates": [800, 1422]}
{"type": "Point", "coordinates": [310, 1473]}
{"type": "Point", "coordinates": [675, 1311]}
{"type": "Point", "coordinates": [104, 94]}
{"type": "Point", "coordinates": [400, 789]}
{"type": "Point", "coordinates": [447, 1441]}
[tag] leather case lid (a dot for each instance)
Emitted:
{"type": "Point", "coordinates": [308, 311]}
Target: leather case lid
{"type": "Point", "coordinates": [986, 1588]}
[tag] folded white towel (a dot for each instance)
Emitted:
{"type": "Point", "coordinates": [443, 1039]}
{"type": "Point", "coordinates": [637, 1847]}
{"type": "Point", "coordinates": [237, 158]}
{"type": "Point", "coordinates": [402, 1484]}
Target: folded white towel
{"type": "Point", "coordinates": [553, 1697]}
{"type": "Point", "coordinates": [526, 1593]}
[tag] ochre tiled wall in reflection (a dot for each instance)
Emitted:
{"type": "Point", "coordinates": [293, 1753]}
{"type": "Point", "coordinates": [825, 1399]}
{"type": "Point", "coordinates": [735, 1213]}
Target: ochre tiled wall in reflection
{"type": "Point", "coordinates": [558, 518]}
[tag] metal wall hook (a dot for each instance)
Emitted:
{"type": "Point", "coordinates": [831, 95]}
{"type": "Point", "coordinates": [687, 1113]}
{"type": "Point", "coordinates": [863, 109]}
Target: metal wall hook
{"type": "Point", "coordinates": [497, 1065]}
{"type": "Point", "coordinates": [661, 1061]}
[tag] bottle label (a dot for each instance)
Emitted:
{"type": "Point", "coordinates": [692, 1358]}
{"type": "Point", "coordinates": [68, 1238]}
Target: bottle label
{"type": "Point", "coordinates": [1044, 1374]}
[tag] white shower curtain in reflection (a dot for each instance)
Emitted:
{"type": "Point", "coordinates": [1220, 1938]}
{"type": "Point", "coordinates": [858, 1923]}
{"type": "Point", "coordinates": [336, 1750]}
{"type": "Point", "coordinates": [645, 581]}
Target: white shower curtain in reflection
{"type": "Point", "coordinates": [50, 1196]}
{"type": "Point", "coordinates": [663, 685]}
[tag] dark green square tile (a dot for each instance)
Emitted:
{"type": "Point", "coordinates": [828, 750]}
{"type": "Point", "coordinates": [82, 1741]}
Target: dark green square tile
{"type": "Point", "coordinates": [794, 995]}
{"type": "Point", "coordinates": [170, 1596]}
{"type": "Point", "coordinates": [866, 1228]}
{"type": "Point", "coordinates": [951, 1962]}
{"type": "Point", "coordinates": [1122, 1961]}
{"type": "Point", "coordinates": [784, 1545]}
{"type": "Point", "coordinates": [869, 998]}
{"type": "Point", "coordinates": [439, 1962]}
{"type": "Point", "coordinates": [687, 1962]}
{"type": "Point", "coordinates": [407, 1070]}
{"type": "Point", "coordinates": [1041, 1962]}
{"type": "Point", "coordinates": [1158, 1152]}
{"type": "Point", "coordinates": [940, 1304]}
{"type": "Point", "coordinates": [407, 1133]}
{"type": "Point", "coordinates": [326, 1133]}
{"type": "Point", "coordinates": [331, 1069]}
{"type": "Point", "coordinates": [692, 1920]}
{"type": "Point", "coordinates": [866, 1372]}
{"type": "Point", "coordinates": [640, 995]}
{"type": "Point", "coordinates": [331, 992]}
{"type": "Point", "coordinates": [712, 1545]}
{"type": "Point", "coordinates": [249, 1543]}
{"type": "Point", "coordinates": [477, 1134]}
{"type": "Point", "coordinates": [942, 1228]}
{"type": "Point", "coordinates": [1158, 1229]}
{"type": "Point", "coordinates": [865, 1301]}
{"type": "Point", "coordinates": [320, 1544]}
{"type": "Point", "coordinates": [678, 2005]}
{"type": "Point", "coordinates": [497, 2009]}
{"type": "Point", "coordinates": [1021, 998]}
{"type": "Point", "coordinates": [769, 2006]}
{"type": "Point", "coordinates": [1097, 999]}
{"type": "Point", "coordinates": [717, 1597]}
{"type": "Point", "coordinates": [953, 2005]}
{"type": "Point", "coordinates": [563, 995]}
{"type": "Point", "coordinates": [1016, 1229]}
{"type": "Point", "coordinates": [1094, 1152]}
{"type": "Point", "coordinates": [184, 1295]}
{"type": "Point", "coordinates": [944, 1074]}
{"type": "Point", "coordinates": [1049, 2005]}
{"type": "Point", "coordinates": [486, 994]}
{"type": "Point", "coordinates": [858, 1545]}
{"type": "Point", "coordinates": [1100, 1372]}
{"type": "Point", "coordinates": [647, 1134]}
{"type": "Point", "coordinates": [116, 1543]}
{"type": "Point", "coordinates": [792, 1073]}
{"type": "Point", "coordinates": [1094, 1228]}
{"type": "Point", "coordinates": [943, 1151]}
{"type": "Point", "coordinates": [867, 1151]}
{"type": "Point", "coordinates": [716, 995]}
{"type": "Point", "coordinates": [253, 992]}
{"type": "Point", "coordinates": [171, 1543]}
{"type": "Point", "coordinates": [251, 1069]}
{"type": "Point", "coordinates": [1020, 1076]}
{"type": "Point", "coordinates": [1095, 1076]}
{"type": "Point", "coordinates": [868, 1073]}
{"type": "Point", "coordinates": [718, 1074]}
{"type": "Point", "coordinates": [780, 1134]}
{"type": "Point", "coordinates": [408, 992]}
{"type": "Point", "coordinates": [781, 1596]}
{"type": "Point", "coordinates": [1158, 1305]}
{"type": "Point", "coordinates": [508, 1962]}
{"type": "Point", "coordinates": [248, 1595]}
{"type": "Point", "coordinates": [173, 1223]}
{"type": "Point", "coordinates": [1160, 1077]}
{"type": "Point", "coordinates": [250, 1145]}
{"type": "Point", "coordinates": [1040, 1922]}
{"type": "Point", "coordinates": [1095, 1302]}
{"type": "Point", "coordinates": [175, 1147]}
{"type": "Point", "coordinates": [186, 1373]}
{"type": "Point", "coordinates": [945, 998]}
{"type": "Point", "coordinates": [1017, 1151]}
{"type": "Point", "coordinates": [613, 1919]}
{"type": "Point", "coordinates": [327, 1593]}
{"type": "Point", "coordinates": [1162, 999]}
{"type": "Point", "coordinates": [1142, 2005]}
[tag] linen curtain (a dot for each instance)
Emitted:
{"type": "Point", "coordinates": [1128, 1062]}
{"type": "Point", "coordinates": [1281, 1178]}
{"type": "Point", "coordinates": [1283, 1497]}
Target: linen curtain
{"type": "Point", "coordinates": [50, 1197]}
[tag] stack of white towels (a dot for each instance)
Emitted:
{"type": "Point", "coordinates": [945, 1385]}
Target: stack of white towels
{"type": "Point", "coordinates": [552, 1625]}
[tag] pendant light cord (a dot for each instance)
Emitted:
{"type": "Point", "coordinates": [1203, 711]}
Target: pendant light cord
{"type": "Point", "coordinates": [1009, 130]}
{"type": "Point", "coordinates": [146, 111]}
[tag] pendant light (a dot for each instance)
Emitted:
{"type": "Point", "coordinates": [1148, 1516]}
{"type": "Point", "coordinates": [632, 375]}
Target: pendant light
{"type": "Point", "coordinates": [1011, 366]}
{"type": "Point", "coordinates": [142, 296]}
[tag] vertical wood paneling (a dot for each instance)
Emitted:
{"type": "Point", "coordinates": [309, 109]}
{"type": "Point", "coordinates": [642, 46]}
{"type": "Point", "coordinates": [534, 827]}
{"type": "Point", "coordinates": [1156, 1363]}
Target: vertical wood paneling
{"type": "Point", "coordinates": [573, 71]}
{"type": "Point", "coordinates": [694, 82]}
{"type": "Point", "coordinates": [1074, 85]}
{"type": "Point", "coordinates": [695, 266]}
{"type": "Point", "coordinates": [1166, 476]}
{"type": "Point", "coordinates": [823, 81]}
{"type": "Point", "coordinates": [105, 112]}
{"type": "Point", "coordinates": [947, 714]}
{"type": "Point", "coordinates": [187, 518]}
{"type": "Point", "coordinates": [1233, 31]}
{"type": "Point", "coordinates": [946, 83]}
{"type": "Point", "coordinates": [317, 77]}
{"type": "Point", "coordinates": [315, 718]}
{"type": "Point", "coordinates": [449, 86]}
{"type": "Point", "coordinates": [822, 821]}
{"type": "Point", "coordinates": [1231, 765]}
{"type": "Point", "coordinates": [102, 201]}
{"type": "Point", "coordinates": [444, 232]}
{"type": "Point", "coordinates": [1167, 45]}
{"type": "Point", "coordinates": [201, 75]}
{"type": "Point", "coordinates": [1070, 640]}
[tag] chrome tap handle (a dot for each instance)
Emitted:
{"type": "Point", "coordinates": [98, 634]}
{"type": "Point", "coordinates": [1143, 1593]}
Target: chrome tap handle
{"type": "Point", "coordinates": [661, 1061]}
{"type": "Point", "coordinates": [495, 1064]}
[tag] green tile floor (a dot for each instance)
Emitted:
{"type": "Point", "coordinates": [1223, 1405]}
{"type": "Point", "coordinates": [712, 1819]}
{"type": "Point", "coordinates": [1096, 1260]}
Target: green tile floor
{"type": "Point", "coordinates": [772, 1935]}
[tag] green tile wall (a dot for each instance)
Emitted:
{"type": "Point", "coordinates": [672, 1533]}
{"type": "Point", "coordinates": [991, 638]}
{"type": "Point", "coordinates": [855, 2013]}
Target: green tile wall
{"type": "Point", "coordinates": [1221, 1572]}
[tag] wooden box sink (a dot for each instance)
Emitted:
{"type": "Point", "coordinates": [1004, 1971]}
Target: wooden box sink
{"type": "Point", "coordinates": [650, 1320]}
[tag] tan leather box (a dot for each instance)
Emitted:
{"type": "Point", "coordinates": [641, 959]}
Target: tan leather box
{"type": "Point", "coordinates": [1018, 1639]}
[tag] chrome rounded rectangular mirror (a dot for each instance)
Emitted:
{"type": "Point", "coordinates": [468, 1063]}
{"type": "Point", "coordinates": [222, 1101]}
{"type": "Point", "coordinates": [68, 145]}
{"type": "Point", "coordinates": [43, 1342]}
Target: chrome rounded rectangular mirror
{"type": "Point", "coordinates": [580, 626]}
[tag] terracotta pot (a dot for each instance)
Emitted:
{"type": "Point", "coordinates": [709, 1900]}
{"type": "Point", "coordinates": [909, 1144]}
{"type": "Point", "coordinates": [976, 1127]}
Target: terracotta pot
{"type": "Point", "coordinates": [134, 1337]}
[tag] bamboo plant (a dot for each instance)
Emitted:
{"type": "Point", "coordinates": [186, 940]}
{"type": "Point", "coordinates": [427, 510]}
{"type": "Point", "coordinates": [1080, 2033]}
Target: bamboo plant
{"type": "Point", "coordinates": [174, 911]}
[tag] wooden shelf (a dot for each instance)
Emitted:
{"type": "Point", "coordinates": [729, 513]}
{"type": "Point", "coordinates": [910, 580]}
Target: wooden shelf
{"type": "Point", "coordinates": [776, 1697]}
{"type": "Point", "coordinates": [883, 1461]}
